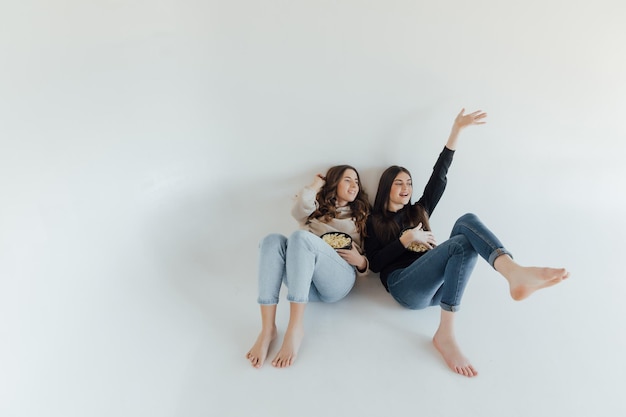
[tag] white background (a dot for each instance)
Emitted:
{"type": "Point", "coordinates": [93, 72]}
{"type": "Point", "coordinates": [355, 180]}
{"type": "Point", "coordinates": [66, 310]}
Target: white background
{"type": "Point", "coordinates": [147, 146]}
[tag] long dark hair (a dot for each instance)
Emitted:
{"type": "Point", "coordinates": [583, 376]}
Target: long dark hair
{"type": "Point", "coordinates": [385, 228]}
{"type": "Point", "coordinates": [327, 197]}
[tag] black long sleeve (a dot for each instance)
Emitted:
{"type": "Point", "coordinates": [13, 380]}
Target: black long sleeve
{"type": "Point", "coordinates": [386, 257]}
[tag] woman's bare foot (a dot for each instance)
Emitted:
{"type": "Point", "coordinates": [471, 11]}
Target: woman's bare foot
{"type": "Point", "coordinates": [524, 281]}
{"type": "Point", "coordinates": [257, 354]}
{"type": "Point", "coordinates": [289, 350]}
{"type": "Point", "coordinates": [447, 347]}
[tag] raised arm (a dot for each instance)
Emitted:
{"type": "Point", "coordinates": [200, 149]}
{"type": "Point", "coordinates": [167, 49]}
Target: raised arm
{"type": "Point", "coordinates": [462, 121]}
{"type": "Point", "coordinates": [305, 202]}
{"type": "Point", "coordinates": [437, 182]}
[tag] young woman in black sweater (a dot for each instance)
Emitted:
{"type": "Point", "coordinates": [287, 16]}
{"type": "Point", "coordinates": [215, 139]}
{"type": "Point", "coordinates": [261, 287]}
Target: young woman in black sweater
{"type": "Point", "coordinates": [419, 273]}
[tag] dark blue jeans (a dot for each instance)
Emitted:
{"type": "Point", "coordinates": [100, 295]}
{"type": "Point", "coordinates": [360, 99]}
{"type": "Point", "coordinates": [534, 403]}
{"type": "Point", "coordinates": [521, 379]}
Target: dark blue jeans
{"type": "Point", "coordinates": [441, 274]}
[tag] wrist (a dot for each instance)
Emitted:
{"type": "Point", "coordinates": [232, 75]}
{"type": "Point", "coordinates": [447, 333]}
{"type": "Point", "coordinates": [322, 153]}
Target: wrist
{"type": "Point", "coordinates": [363, 267]}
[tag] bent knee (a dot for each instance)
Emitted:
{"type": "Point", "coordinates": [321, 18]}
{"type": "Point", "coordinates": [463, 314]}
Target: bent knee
{"type": "Point", "coordinates": [300, 236]}
{"type": "Point", "coordinates": [468, 217]}
{"type": "Point", "coordinates": [273, 239]}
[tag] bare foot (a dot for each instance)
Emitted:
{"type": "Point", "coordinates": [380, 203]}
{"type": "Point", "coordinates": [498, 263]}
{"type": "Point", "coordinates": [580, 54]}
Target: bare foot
{"type": "Point", "coordinates": [289, 350]}
{"type": "Point", "coordinates": [526, 280]}
{"type": "Point", "coordinates": [447, 347]}
{"type": "Point", "coordinates": [257, 354]}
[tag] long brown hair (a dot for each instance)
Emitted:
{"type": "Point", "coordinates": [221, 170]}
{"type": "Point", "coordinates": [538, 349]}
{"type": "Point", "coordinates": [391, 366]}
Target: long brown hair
{"type": "Point", "coordinates": [327, 197]}
{"type": "Point", "coordinates": [385, 228]}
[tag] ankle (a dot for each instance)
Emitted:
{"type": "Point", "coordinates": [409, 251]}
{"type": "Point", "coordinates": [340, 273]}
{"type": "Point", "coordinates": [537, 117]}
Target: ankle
{"type": "Point", "coordinates": [505, 265]}
{"type": "Point", "coordinates": [268, 329]}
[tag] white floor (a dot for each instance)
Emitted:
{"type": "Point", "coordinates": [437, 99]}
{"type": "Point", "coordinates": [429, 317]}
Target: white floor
{"type": "Point", "coordinates": [100, 327]}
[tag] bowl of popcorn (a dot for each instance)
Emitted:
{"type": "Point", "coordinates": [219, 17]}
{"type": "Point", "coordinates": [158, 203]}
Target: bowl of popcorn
{"type": "Point", "coordinates": [415, 246]}
{"type": "Point", "coordinates": [338, 240]}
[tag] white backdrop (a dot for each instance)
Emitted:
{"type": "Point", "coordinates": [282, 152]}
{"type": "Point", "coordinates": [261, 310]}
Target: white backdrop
{"type": "Point", "coordinates": [146, 147]}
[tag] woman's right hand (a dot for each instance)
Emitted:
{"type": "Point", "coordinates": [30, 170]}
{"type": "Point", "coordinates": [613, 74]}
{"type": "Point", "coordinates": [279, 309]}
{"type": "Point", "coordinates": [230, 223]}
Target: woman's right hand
{"type": "Point", "coordinates": [318, 182]}
{"type": "Point", "coordinates": [417, 234]}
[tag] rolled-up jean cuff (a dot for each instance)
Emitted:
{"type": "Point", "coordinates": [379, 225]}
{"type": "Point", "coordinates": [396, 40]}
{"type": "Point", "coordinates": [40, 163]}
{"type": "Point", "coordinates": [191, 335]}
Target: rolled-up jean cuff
{"type": "Point", "coordinates": [449, 308]}
{"type": "Point", "coordinates": [497, 253]}
{"type": "Point", "coordinates": [292, 300]}
{"type": "Point", "coordinates": [268, 302]}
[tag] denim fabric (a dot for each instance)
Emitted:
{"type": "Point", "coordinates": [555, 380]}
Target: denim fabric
{"type": "Point", "coordinates": [441, 274]}
{"type": "Point", "coordinates": [310, 269]}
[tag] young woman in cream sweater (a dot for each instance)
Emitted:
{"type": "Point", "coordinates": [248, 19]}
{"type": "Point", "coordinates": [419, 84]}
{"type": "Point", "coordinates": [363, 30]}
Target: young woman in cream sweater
{"type": "Point", "coordinates": [309, 267]}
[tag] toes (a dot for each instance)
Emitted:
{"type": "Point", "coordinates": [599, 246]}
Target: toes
{"type": "Point", "coordinates": [467, 371]}
{"type": "Point", "coordinates": [282, 362]}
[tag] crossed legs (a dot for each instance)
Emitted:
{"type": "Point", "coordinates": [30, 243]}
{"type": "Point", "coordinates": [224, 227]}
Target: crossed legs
{"type": "Point", "coordinates": [523, 281]}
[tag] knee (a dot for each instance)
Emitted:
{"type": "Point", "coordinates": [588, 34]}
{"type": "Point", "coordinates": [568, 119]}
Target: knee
{"type": "Point", "coordinates": [300, 236]}
{"type": "Point", "coordinates": [468, 218]}
{"type": "Point", "coordinates": [273, 240]}
{"type": "Point", "coordinates": [464, 220]}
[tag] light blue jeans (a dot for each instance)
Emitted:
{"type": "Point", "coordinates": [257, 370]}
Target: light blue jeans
{"type": "Point", "coordinates": [441, 274]}
{"type": "Point", "coordinates": [309, 267]}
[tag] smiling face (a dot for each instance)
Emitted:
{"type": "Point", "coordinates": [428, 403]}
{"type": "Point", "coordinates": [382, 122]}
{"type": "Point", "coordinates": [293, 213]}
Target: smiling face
{"type": "Point", "coordinates": [400, 192]}
{"type": "Point", "coordinates": [347, 188]}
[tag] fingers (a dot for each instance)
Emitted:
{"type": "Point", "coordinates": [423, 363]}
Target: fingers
{"type": "Point", "coordinates": [474, 117]}
{"type": "Point", "coordinates": [346, 255]}
{"type": "Point", "coordinates": [477, 117]}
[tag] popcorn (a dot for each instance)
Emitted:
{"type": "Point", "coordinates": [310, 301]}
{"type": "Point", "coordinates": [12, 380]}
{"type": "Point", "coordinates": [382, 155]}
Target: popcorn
{"type": "Point", "coordinates": [417, 247]}
{"type": "Point", "coordinates": [337, 240]}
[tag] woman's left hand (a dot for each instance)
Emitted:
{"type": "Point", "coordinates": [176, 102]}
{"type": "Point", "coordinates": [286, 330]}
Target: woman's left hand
{"type": "Point", "coordinates": [353, 257]}
{"type": "Point", "coordinates": [475, 118]}
{"type": "Point", "coordinates": [461, 121]}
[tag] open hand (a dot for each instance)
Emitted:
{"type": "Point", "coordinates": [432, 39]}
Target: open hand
{"type": "Point", "coordinates": [475, 118]}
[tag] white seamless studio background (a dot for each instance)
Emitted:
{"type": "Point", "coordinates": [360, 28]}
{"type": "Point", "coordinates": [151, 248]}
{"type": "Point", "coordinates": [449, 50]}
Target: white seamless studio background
{"type": "Point", "coordinates": [147, 146]}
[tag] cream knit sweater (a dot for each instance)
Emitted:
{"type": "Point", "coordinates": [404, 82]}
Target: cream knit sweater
{"type": "Point", "coordinates": [305, 204]}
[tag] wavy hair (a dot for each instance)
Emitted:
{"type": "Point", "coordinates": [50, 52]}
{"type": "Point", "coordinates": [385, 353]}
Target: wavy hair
{"type": "Point", "coordinates": [385, 228]}
{"type": "Point", "coordinates": [327, 197]}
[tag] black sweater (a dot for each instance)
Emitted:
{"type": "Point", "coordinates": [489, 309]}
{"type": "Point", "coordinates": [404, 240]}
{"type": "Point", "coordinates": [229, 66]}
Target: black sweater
{"type": "Point", "coordinates": [386, 257]}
